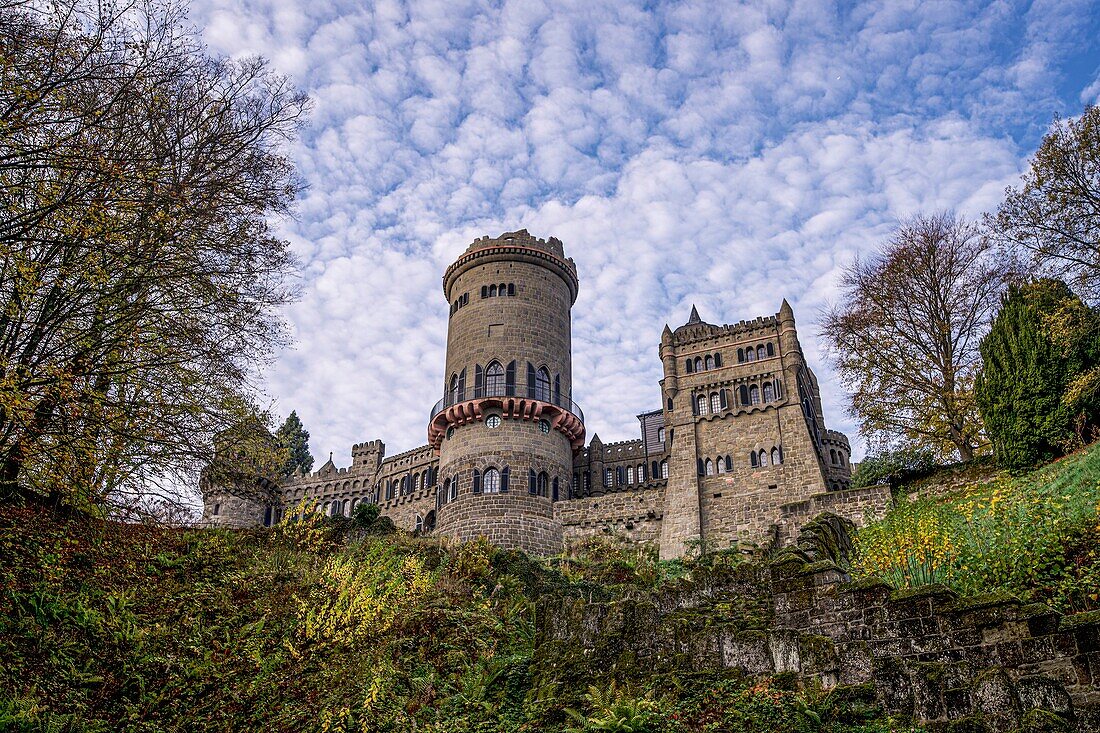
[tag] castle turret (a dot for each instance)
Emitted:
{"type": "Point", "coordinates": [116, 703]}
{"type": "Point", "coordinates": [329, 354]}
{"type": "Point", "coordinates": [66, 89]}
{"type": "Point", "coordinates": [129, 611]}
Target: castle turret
{"type": "Point", "coordinates": [506, 428]}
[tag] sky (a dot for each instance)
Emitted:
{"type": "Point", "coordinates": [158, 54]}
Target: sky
{"type": "Point", "coordinates": [722, 154]}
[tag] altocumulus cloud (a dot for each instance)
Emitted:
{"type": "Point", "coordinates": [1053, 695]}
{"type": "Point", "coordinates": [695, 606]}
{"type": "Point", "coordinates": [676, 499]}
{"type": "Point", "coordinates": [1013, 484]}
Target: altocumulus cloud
{"type": "Point", "coordinates": [716, 153]}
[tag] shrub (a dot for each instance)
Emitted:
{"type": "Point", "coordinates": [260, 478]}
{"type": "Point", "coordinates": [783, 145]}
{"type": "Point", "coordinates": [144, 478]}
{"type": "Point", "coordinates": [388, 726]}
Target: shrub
{"type": "Point", "coordinates": [893, 467]}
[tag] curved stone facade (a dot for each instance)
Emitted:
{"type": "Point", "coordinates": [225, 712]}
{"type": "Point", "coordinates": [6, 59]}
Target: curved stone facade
{"type": "Point", "coordinates": [506, 410]}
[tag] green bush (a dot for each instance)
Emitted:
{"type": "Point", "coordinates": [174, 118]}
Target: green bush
{"type": "Point", "coordinates": [893, 467]}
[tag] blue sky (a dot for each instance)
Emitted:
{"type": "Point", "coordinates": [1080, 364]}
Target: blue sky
{"type": "Point", "coordinates": [716, 153]}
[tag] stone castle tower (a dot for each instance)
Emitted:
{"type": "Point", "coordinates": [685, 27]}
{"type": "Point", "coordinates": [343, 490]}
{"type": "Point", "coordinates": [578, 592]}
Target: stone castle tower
{"type": "Point", "coordinates": [737, 451]}
{"type": "Point", "coordinates": [506, 428]}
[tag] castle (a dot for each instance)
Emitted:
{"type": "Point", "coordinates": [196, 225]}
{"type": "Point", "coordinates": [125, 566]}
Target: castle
{"type": "Point", "coordinates": [737, 452]}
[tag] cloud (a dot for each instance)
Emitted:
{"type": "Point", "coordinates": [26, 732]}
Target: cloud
{"type": "Point", "coordinates": [722, 154]}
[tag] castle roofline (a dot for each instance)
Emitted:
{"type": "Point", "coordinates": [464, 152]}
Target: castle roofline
{"type": "Point", "coordinates": [696, 329]}
{"type": "Point", "coordinates": [511, 247]}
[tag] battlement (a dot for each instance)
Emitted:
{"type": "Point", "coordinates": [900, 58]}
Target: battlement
{"type": "Point", "coordinates": [691, 333]}
{"type": "Point", "coordinates": [520, 238]}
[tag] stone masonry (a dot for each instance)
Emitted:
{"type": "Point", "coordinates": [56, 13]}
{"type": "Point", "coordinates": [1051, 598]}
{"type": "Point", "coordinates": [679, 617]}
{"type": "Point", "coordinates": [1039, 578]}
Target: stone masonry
{"type": "Point", "coordinates": [737, 452]}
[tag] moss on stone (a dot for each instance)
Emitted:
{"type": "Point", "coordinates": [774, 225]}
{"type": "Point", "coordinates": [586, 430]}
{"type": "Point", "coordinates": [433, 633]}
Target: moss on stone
{"type": "Point", "coordinates": [1079, 620]}
{"type": "Point", "coordinates": [984, 600]}
{"type": "Point", "coordinates": [870, 582]}
{"type": "Point", "coordinates": [935, 590]}
{"type": "Point", "coordinates": [1044, 721]}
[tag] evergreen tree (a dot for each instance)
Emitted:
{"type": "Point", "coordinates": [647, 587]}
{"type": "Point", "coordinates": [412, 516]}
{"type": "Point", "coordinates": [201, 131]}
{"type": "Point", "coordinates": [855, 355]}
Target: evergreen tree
{"type": "Point", "coordinates": [294, 439]}
{"type": "Point", "coordinates": [1025, 376]}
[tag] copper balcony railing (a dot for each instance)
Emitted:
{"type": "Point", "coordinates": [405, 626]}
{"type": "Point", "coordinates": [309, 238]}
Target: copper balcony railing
{"type": "Point", "coordinates": [519, 391]}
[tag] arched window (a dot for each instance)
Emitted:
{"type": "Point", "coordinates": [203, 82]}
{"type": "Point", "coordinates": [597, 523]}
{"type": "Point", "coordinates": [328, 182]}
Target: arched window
{"type": "Point", "coordinates": [709, 467]}
{"type": "Point", "coordinates": [641, 472]}
{"type": "Point", "coordinates": [721, 465]}
{"type": "Point", "coordinates": [754, 395]}
{"type": "Point", "coordinates": [753, 460]}
{"type": "Point", "coordinates": [717, 360]}
{"type": "Point", "coordinates": [494, 379]}
{"type": "Point", "coordinates": [688, 365]}
{"type": "Point", "coordinates": [620, 475]}
{"type": "Point", "coordinates": [656, 468]}
{"type": "Point", "coordinates": [763, 458]}
{"type": "Point", "coordinates": [429, 521]}
{"type": "Point", "coordinates": [419, 524]}
{"type": "Point", "coordinates": [700, 467]}
{"type": "Point", "coordinates": [744, 393]}
{"type": "Point", "coordinates": [740, 355]}
{"type": "Point", "coordinates": [669, 403]}
{"type": "Point", "coordinates": [661, 436]}
{"type": "Point", "coordinates": [477, 482]}
{"type": "Point", "coordinates": [708, 363]}
{"type": "Point", "coordinates": [454, 488]}
{"type": "Point", "coordinates": [511, 288]}
{"type": "Point", "coordinates": [542, 385]}
{"type": "Point", "coordinates": [346, 509]}
{"type": "Point", "coordinates": [630, 475]}
{"type": "Point", "coordinates": [701, 404]}
{"type": "Point", "coordinates": [750, 354]}
{"type": "Point", "coordinates": [769, 392]}
{"type": "Point", "coordinates": [504, 474]}
{"type": "Point", "coordinates": [490, 482]}
{"type": "Point", "coordinates": [454, 388]}
{"type": "Point", "coordinates": [723, 401]}
{"type": "Point", "coordinates": [729, 463]}
{"type": "Point", "coordinates": [267, 516]}
{"type": "Point", "coordinates": [544, 484]}
{"type": "Point", "coordinates": [698, 364]}
{"type": "Point", "coordinates": [416, 482]}
{"type": "Point", "coordinates": [715, 403]}
{"type": "Point", "coordinates": [503, 289]}
{"type": "Point", "coordinates": [492, 291]}
{"type": "Point", "coordinates": [776, 457]}
{"type": "Point", "coordinates": [832, 456]}
{"type": "Point", "coordinates": [771, 349]}
{"type": "Point", "coordinates": [760, 352]}
{"type": "Point", "coordinates": [664, 468]}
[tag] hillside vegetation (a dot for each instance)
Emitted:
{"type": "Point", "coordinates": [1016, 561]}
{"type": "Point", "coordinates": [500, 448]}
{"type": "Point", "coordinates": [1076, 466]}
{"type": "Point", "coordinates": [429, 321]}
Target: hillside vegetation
{"type": "Point", "coordinates": [119, 627]}
{"type": "Point", "coordinates": [977, 530]}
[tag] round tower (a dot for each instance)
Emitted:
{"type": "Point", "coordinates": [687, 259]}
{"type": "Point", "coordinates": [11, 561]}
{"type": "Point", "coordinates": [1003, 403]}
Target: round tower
{"type": "Point", "coordinates": [506, 428]}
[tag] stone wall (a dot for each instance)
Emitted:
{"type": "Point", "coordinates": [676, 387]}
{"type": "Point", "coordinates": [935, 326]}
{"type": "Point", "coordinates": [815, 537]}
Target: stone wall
{"type": "Point", "coordinates": [512, 520]}
{"type": "Point", "coordinates": [950, 663]}
{"type": "Point", "coordinates": [635, 515]}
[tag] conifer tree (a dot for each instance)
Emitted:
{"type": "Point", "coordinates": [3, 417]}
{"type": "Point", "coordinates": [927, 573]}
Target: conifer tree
{"type": "Point", "coordinates": [294, 439]}
{"type": "Point", "coordinates": [1023, 378]}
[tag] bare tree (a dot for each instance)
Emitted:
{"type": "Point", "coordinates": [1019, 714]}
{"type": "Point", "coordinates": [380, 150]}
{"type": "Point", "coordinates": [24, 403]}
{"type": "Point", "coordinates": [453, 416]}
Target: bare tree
{"type": "Point", "coordinates": [1055, 215]}
{"type": "Point", "coordinates": [138, 271]}
{"type": "Point", "coordinates": [904, 336]}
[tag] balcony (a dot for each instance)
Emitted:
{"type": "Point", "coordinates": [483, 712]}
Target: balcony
{"type": "Point", "coordinates": [518, 402]}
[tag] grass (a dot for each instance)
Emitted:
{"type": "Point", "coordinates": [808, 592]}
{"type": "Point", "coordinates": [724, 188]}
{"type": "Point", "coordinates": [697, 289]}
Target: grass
{"type": "Point", "coordinates": [1034, 535]}
{"type": "Point", "coordinates": [109, 627]}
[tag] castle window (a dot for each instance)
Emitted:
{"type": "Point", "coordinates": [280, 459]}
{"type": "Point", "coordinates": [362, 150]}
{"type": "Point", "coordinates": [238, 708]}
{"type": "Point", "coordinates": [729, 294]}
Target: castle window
{"type": "Point", "coordinates": [503, 290]}
{"type": "Point", "coordinates": [771, 349]}
{"type": "Point", "coordinates": [608, 477]}
{"type": "Point", "coordinates": [492, 291]}
{"type": "Point", "coordinates": [587, 481]}
{"type": "Point", "coordinates": [493, 421]}
{"type": "Point", "coordinates": [710, 467]}
{"type": "Point", "coordinates": [620, 475]}
{"type": "Point", "coordinates": [729, 464]}
{"type": "Point", "coordinates": [708, 363]}
{"type": "Point", "coordinates": [454, 388]}
{"type": "Point", "coordinates": [688, 366]}
{"type": "Point", "coordinates": [510, 379]}
{"type": "Point", "coordinates": [462, 385]}
{"type": "Point", "coordinates": [346, 509]}
{"type": "Point", "coordinates": [477, 482]}
{"type": "Point", "coordinates": [717, 361]}
{"type": "Point", "coordinates": [701, 405]}
{"type": "Point", "coordinates": [576, 481]}
{"type": "Point", "coordinates": [664, 468]}
{"type": "Point", "coordinates": [720, 465]}
{"type": "Point", "coordinates": [723, 400]}
{"type": "Point", "coordinates": [544, 484]}
{"type": "Point", "coordinates": [452, 492]}
{"type": "Point", "coordinates": [769, 392]}
{"type": "Point", "coordinates": [740, 355]}
{"type": "Point", "coordinates": [484, 291]}
{"type": "Point", "coordinates": [777, 457]}
{"type": "Point", "coordinates": [744, 393]}
{"type": "Point", "coordinates": [419, 524]}
{"type": "Point", "coordinates": [511, 288]}
{"type": "Point", "coordinates": [542, 385]}
{"type": "Point", "coordinates": [753, 460]}
{"type": "Point", "coordinates": [661, 436]}
{"type": "Point", "coordinates": [504, 480]}
{"type": "Point", "coordinates": [760, 353]}
{"type": "Point", "coordinates": [754, 395]}
{"type": "Point", "coordinates": [630, 475]}
{"type": "Point", "coordinates": [416, 482]}
{"type": "Point", "coordinates": [494, 379]}
{"type": "Point", "coordinates": [763, 458]}
{"type": "Point", "coordinates": [669, 403]}
{"type": "Point", "coordinates": [656, 468]}
{"type": "Point", "coordinates": [450, 431]}
{"type": "Point", "coordinates": [750, 354]}
{"type": "Point", "coordinates": [491, 481]}
{"type": "Point", "coordinates": [832, 456]}
{"type": "Point", "coordinates": [544, 426]}
{"type": "Point", "coordinates": [532, 482]}
{"type": "Point", "coordinates": [698, 364]}
{"type": "Point", "coordinates": [700, 468]}
{"type": "Point", "coordinates": [715, 403]}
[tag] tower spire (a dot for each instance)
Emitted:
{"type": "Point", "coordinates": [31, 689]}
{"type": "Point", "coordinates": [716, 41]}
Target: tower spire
{"type": "Point", "coordinates": [694, 317]}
